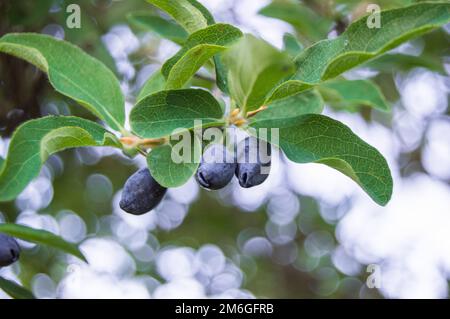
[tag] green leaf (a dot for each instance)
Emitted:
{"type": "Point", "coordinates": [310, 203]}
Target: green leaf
{"type": "Point", "coordinates": [155, 83]}
{"type": "Point", "coordinates": [353, 4]}
{"type": "Point", "coordinates": [293, 106]}
{"type": "Point", "coordinates": [35, 140]}
{"type": "Point", "coordinates": [72, 73]}
{"type": "Point", "coordinates": [199, 48]}
{"type": "Point", "coordinates": [14, 290]}
{"type": "Point", "coordinates": [344, 94]}
{"type": "Point", "coordinates": [193, 16]}
{"type": "Point", "coordinates": [305, 21]}
{"type": "Point", "coordinates": [291, 45]}
{"type": "Point", "coordinates": [164, 28]}
{"type": "Point", "coordinates": [160, 114]}
{"type": "Point", "coordinates": [320, 139]}
{"type": "Point", "coordinates": [2, 160]}
{"type": "Point", "coordinates": [358, 44]}
{"type": "Point", "coordinates": [220, 68]}
{"type": "Point", "coordinates": [205, 12]}
{"type": "Point", "coordinates": [255, 67]}
{"type": "Point", "coordinates": [221, 75]}
{"type": "Point", "coordinates": [397, 61]}
{"type": "Point", "coordinates": [41, 237]}
{"type": "Point", "coordinates": [166, 162]}
{"type": "Point", "coordinates": [189, 14]}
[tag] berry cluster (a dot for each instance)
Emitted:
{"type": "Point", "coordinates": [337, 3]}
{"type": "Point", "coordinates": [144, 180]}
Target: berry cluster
{"type": "Point", "coordinates": [218, 165]}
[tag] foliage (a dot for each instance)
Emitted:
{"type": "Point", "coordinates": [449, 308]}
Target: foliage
{"type": "Point", "coordinates": [41, 237]}
{"type": "Point", "coordinates": [14, 290]}
{"type": "Point", "coordinates": [286, 90]}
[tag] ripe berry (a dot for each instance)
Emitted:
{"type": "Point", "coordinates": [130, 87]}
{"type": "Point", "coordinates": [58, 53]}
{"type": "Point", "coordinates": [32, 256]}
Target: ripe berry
{"type": "Point", "coordinates": [141, 193]}
{"type": "Point", "coordinates": [216, 168]}
{"type": "Point", "coordinates": [253, 162]}
{"type": "Point", "coordinates": [9, 250]}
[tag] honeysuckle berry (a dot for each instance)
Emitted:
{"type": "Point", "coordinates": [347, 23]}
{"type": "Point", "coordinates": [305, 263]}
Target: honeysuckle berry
{"type": "Point", "coordinates": [9, 250]}
{"type": "Point", "coordinates": [216, 168]}
{"type": "Point", "coordinates": [253, 162]}
{"type": "Point", "coordinates": [141, 193]}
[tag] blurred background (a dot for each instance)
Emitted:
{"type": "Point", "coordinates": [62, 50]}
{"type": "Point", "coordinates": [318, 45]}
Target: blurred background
{"type": "Point", "coordinates": [307, 232]}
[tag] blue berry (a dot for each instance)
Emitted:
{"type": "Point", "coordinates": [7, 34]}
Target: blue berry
{"type": "Point", "coordinates": [253, 162]}
{"type": "Point", "coordinates": [9, 250]}
{"type": "Point", "coordinates": [216, 168]}
{"type": "Point", "coordinates": [141, 193]}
